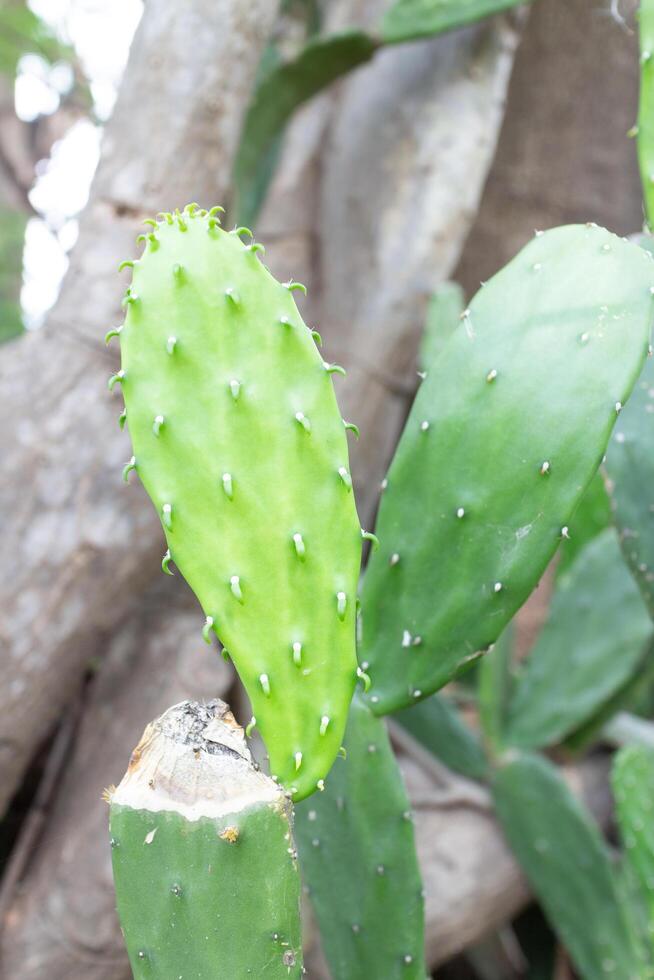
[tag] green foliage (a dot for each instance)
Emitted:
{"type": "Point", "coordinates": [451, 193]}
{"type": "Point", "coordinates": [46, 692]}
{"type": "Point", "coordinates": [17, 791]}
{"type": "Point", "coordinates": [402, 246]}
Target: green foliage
{"type": "Point", "coordinates": [645, 126]}
{"type": "Point", "coordinates": [504, 437]}
{"type": "Point", "coordinates": [569, 867]}
{"type": "Point", "coordinates": [494, 689]}
{"type": "Point", "coordinates": [630, 468]}
{"type": "Point", "coordinates": [592, 644]}
{"type": "Point", "coordinates": [358, 859]}
{"type": "Point", "coordinates": [207, 885]}
{"type": "Point", "coordinates": [409, 19]}
{"type": "Point", "coordinates": [279, 92]}
{"type": "Point", "coordinates": [12, 233]}
{"type": "Point", "coordinates": [633, 789]}
{"type": "Point", "coordinates": [443, 315]}
{"type": "Point", "coordinates": [437, 725]}
{"type": "Point", "coordinates": [238, 441]}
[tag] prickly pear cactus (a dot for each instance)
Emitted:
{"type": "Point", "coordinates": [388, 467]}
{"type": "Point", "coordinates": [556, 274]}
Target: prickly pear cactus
{"type": "Point", "coordinates": [238, 440]}
{"type": "Point", "coordinates": [633, 789]}
{"type": "Point", "coordinates": [359, 863]}
{"type": "Point", "coordinates": [207, 883]}
{"type": "Point", "coordinates": [645, 127]}
{"type": "Point", "coordinates": [505, 434]}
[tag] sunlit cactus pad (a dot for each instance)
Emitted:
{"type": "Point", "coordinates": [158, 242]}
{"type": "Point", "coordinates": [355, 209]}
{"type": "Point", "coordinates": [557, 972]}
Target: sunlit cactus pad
{"type": "Point", "coordinates": [505, 434]}
{"type": "Point", "coordinates": [238, 440]}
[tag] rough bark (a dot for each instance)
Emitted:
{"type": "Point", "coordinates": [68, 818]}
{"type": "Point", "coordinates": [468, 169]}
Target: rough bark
{"type": "Point", "coordinates": [74, 552]}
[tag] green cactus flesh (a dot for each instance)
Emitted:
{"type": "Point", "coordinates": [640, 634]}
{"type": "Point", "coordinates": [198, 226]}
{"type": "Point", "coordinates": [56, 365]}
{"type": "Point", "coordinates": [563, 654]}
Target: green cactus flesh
{"type": "Point", "coordinates": [505, 435]}
{"type": "Point", "coordinates": [569, 867]}
{"type": "Point", "coordinates": [645, 127]}
{"type": "Point", "coordinates": [446, 305]}
{"type": "Point", "coordinates": [594, 640]}
{"type": "Point", "coordinates": [358, 859]}
{"type": "Point", "coordinates": [630, 472]}
{"type": "Point", "coordinates": [238, 440]}
{"type": "Point", "coordinates": [633, 789]}
{"type": "Point", "coordinates": [438, 725]}
{"type": "Point", "coordinates": [207, 883]}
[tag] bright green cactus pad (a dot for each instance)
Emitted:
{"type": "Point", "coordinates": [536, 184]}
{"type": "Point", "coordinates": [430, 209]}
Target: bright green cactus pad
{"type": "Point", "coordinates": [633, 789]}
{"type": "Point", "coordinates": [569, 866]}
{"type": "Point", "coordinates": [630, 471]}
{"type": "Point", "coordinates": [238, 440]}
{"type": "Point", "coordinates": [594, 640]}
{"type": "Point", "coordinates": [504, 437]}
{"type": "Point", "coordinates": [358, 860]}
{"type": "Point", "coordinates": [207, 882]}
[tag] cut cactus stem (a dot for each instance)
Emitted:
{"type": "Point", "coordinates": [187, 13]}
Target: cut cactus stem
{"type": "Point", "coordinates": [196, 828]}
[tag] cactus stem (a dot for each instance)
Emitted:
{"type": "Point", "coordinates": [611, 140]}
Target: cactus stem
{"type": "Point", "coordinates": [324, 724]}
{"type": "Point", "coordinates": [128, 467]}
{"type": "Point", "coordinates": [369, 536]}
{"type": "Point", "coordinates": [300, 549]}
{"type": "Point", "coordinates": [156, 425]}
{"type": "Point", "coordinates": [206, 629]}
{"type": "Point", "coordinates": [165, 563]}
{"type": "Point", "coordinates": [167, 514]}
{"type": "Point", "coordinates": [116, 378]}
{"type": "Point", "coordinates": [235, 388]}
{"type": "Point", "coordinates": [228, 486]}
{"type": "Point", "coordinates": [341, 605]}
{"type": "Point", "coordinates": [346, 479]}
{"type": "Point", "coordinates": [303, 420]}
{"type": "Point", "coordinates": [264, 680]}
{"type": "Point", "coordinates": [235, 586]}
{"type": "Point", "coordinates": [114, 332]}
{"type": "Point", "coordinates": [171, 343]}
{"type": "Point", "coordinates": [351, 427]}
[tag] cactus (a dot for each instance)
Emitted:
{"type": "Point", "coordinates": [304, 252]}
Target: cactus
{"type": "Point", "coordinates": [595, 638]}
{"type": "Point", "coordinates": [409, 19]}
{"type": "Point", "coordinates": [494, 690]}
{"type": "Point", "coordinates": [439, 727]}
{"type": "Point", "coordinates": [569, 867]}
{"type": "Point", "coordinates": [358, 858]}
{"type": "Point", "coordinates": [630, 472]}
{"type": "Point", "coordinates": [645, 126]}
{"type": "Point", "coordinates": [590, 518]}
{"type": "Point", "coordinates": [633, 789]}
{"type": "Point", "coordinates": [238, 440]}
{"type": "Point", "coordinates": [446, 305]}
{"type": "Point", "coordinates": [491, 463]}
{"type": "Point", "coordinates": [206, 876]}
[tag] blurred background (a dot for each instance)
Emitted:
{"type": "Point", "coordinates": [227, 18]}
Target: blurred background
{"type": "Point", "coordinates": [375, 174]}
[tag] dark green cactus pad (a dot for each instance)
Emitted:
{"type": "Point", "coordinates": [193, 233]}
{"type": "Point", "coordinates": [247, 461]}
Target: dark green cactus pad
{"type": "Point", "coordinates": [504, 437]}
{"type": "Point", "coordinates": [207, 881]}
{"type": "Point", "coordinates": [595, 638]}
{"type": "Point", "coordinates": [630, 481]}
{"type": "Point", "coordinates": [437, 724]}
{"type": "Point", "coordinates": [494, 689]}
{"type": "Point", "coordinates": [358, 860]}
{"type": "Point", "coordinates": [569, 867]}
{"type": "Point", "coordinates": [238, 441]}
{"type": "Point", "coordinates": [590, 518]}
{"type": "Point", "coordinates": [633, 789]}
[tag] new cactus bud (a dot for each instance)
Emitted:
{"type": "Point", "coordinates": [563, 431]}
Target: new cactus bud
{"type": "Point", "coordinates": [241, 447]}
{"type": "Point", "coordinates": [520, 405]}
{"type": "Point", "coordinates": [207, 883]}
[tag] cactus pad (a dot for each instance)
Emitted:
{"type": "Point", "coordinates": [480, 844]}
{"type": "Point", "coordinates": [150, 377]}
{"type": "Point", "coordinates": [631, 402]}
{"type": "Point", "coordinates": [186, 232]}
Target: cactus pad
{"type": "Point", "coordinates": [238, 440]}
{"type": "Point", "coordinates": [505, 435]}
{"type": "Point", "coordinates": [207, 882]}
{"type": "Point", "coordinates": [633, 789]}
{"type": "Point", "coordinates": [358, 860]}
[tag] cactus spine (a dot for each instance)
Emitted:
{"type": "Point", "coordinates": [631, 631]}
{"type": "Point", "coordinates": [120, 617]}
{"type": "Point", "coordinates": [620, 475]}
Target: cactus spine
{"type": "Point", "coordinates": [206, 876]}
{"type": "Point", "coordinates": [238, 440]}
